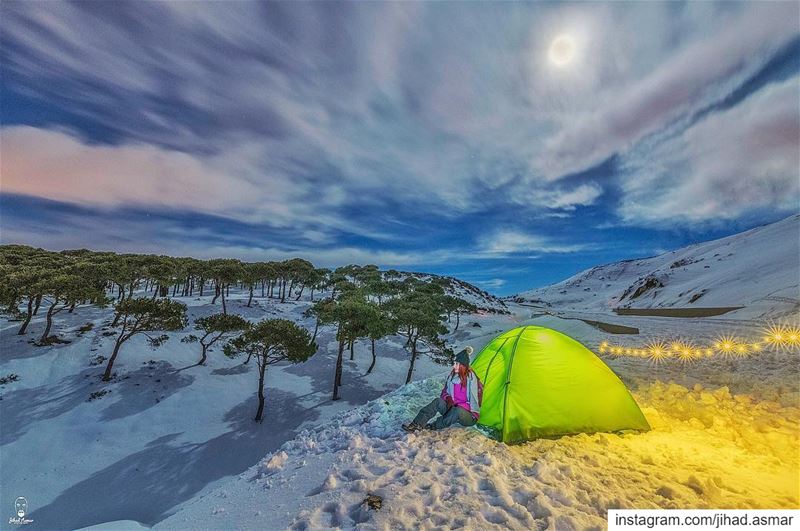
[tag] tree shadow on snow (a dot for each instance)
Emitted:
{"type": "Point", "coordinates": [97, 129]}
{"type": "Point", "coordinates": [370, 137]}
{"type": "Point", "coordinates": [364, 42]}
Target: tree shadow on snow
{"type": "Point", "coordinates": [356, 388]}
{"type": "Point", "coordinates": [16, 347]}
{"type": "Point", "coordinates": [23, 408]}
{"type": "Point", "coordinates": [144, 388]}
{"type": "Point", "coordinates": [241, 368]}
{"type": "Point", "coordinates": [146, 485]}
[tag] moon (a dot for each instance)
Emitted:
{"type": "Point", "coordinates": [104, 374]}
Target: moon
{"type": "Point", "coordinates": [562, 50]}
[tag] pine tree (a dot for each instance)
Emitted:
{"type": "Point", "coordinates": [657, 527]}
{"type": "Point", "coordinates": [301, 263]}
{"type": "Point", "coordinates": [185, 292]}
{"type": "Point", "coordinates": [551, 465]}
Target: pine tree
{"type": "Point", "coordinates": [419, 318]}
{"type": "Point", "coordinates": [143, 315]}
{"type": "Point", "coordinates": [379, 325]}
{"type": "Point", "coordinates": [215, 327]}
{"type": "Point", "coordinates": [271, 341]}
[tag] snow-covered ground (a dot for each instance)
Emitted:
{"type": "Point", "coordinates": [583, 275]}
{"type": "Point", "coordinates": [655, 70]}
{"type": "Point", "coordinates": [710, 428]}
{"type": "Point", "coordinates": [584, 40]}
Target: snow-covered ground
{"type": "Point", "coordinates": [726, 433]}
{"type": "Point", "coordinates": [174, 446]}
{"type": "Point", "coordinates": [167, 430]}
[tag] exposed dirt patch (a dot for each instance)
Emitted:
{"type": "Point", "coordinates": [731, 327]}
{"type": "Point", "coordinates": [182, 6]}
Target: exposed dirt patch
{"type": "Point", "coordinates": [612, 328]}
{"type": "Point", "coordinates": [677, 312]}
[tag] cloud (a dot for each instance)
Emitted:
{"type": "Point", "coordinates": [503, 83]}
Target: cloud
{"type": "Point", "coordinates": [57, 165]}
{"type": "Point", "coordinates": [494, 283]}
{"type": "Point", "coordinates": [700, 73]}
{"type": "Point", "coordinates": [506, 242]}
{"type": "Point", "coordinates": [729, 163]}
{"type": "Point", "coordinates": [330, 120]}
{"type": "Point", "coordinates": [555, 197]}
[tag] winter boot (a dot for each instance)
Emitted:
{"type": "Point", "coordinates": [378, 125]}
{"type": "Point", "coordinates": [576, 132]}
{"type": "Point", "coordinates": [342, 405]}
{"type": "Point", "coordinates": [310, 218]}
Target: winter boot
{"type": "Point", "coordinates": [412, 427]}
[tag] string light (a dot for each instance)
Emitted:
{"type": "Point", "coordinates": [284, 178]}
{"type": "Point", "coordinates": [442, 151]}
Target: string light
{"type": "Point", "coordinates": [777, 336]}
{"type": "Point", "coordinates": [727, 346]}
{"type": "Point", "coordinates": [774, 337]}
{"type": "Point", "coordinates": [657, 351]}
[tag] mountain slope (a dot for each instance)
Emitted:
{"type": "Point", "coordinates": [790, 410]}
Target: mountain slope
{"type": "Point", "coordinates": [455, 287]}
{"type": "Point", "coordinates": [758, 269]}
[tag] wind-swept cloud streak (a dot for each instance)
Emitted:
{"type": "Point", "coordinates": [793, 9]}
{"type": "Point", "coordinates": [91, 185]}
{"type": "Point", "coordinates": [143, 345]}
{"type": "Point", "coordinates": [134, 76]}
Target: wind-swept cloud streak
{"type": "Point", "coordinates": [743, 158]}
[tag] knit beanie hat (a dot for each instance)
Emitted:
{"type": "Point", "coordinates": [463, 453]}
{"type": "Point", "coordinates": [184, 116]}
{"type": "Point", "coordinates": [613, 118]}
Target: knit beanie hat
{"type": "Point", "coordinates": [463, 356]}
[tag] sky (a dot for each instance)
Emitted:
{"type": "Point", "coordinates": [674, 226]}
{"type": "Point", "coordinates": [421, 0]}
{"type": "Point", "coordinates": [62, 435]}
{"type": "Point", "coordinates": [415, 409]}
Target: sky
{"type": "Point", "coordinates": [509, 144]}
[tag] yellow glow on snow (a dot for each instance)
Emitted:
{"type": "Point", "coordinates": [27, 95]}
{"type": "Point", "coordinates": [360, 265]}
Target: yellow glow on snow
{"type": "Point", "coordinates": [707, 447]}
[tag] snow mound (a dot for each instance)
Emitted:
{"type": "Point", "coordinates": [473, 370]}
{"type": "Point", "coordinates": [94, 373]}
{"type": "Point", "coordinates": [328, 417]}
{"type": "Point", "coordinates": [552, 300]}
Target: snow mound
{"type": "Point", "coordinates": [708, 449]}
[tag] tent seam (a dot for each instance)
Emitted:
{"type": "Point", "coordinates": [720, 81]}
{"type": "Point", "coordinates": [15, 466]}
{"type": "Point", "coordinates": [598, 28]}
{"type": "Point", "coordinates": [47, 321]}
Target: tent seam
{"type": "Point", "coordinates": [496, 352]}
{"type": "Point", "coordinates": [508, 381]}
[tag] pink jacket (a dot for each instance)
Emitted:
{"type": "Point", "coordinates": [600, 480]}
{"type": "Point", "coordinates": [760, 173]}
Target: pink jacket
{"type": "Point", "coordinates": [467, 397]}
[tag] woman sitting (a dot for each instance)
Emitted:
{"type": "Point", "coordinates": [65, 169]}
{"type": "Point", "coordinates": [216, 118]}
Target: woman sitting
{"type": "Point", "coordinates": [459, 401]}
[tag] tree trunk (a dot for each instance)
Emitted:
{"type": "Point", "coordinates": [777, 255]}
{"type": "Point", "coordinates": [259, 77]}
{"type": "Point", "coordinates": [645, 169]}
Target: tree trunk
{"type": "Point", "coordinates": [337, 379]}
{"type": "Point", "coordinates": [202, 285]}
{"type": "Point", "coordinates": [71, 308]}
{"type": "Point", "coordinates": [312, 294]}
{"type": "Point", "coordinates": [316, 328]}
{"type": "Point", "coordinates": [283, 291]}
{"type": "Point", "coordinates": [224, 307]}
{"type": "Point", "coordinates": [38, 303]}
{"type": "Point", "coordinates": [458, 318]}
{"type": "Point", "coordinates": [216, 293]}
{"type": "Point", "coordinates": [28, 317]}
{"type": "Point", "coordinates": [130, 289]}
{"type": "Point", "coordinates": [262, 290]}
{"type": "Point", "coordinates": [262, 367]}
{"type": "Point", "coordinates": [107, 374]}
{"type": "Point", "coordinates": [351, 350]}
{"type": "Point", "coordinates": [203, 358]}
{"type": "Point", "coordinates": [116, 319]}
{"type": "Point", "coordinates": [228, 289]}
{"type": "Point", "coordinates": [250, 300]}
{"type": "Point", "coordinates": [302, 288]}
{"type": "Point", "coordinates": [413, 359]}
{"type": "Point", "coordinates": [121, 295]}
{"type": "Point", "coordinates": [52, 307]}
{"type": "Point", "coordinates": [372, 365]}
{"type": "Point", "coordinates": [155, 293]}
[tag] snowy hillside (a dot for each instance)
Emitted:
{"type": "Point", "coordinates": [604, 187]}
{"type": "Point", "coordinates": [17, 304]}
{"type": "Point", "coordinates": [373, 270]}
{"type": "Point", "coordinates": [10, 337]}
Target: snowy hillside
{"type": "Point", "coordinates": [758, 270]}
{"type": "Point", "coordinates": [482, 299]}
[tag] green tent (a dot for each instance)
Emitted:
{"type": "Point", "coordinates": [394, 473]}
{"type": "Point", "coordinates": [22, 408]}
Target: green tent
{"type": "Point", "coordinates": [541, 383]}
